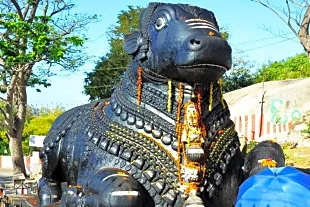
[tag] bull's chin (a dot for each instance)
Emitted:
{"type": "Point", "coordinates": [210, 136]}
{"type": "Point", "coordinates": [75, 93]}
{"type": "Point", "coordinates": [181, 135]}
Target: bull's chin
{"type": "Point", "coordinates": [201, 73]}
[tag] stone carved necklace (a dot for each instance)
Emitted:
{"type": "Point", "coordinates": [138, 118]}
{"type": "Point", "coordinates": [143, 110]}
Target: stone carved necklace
{"type": "Point", "coordinates": [187, 146]}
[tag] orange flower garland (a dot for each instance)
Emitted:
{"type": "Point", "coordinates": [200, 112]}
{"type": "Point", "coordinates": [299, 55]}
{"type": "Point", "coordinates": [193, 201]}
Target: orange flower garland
{"type": "Point", "coordinates": [191, 134]}
{"type": "Point", "coordinates": [169, 96]}
{"type": "Point", "coordinates": [199, 100]}
{"type": "Point", "coordinates": [139, 85]}
{"type": "Point", "coordinates": [268, 162]}
{"type": "Point", "coordinates": [211, 97]}
{"type": "Point", "coordinates": [179, 129]}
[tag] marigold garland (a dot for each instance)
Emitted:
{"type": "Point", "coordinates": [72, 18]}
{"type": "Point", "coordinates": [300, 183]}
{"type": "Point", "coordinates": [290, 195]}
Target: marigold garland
{"type": "Point", "coordinates": [220, 82]}
{"type": "Point", "coordinates": [199, 100]}
{"type": "Point", "coordinates": [169, 96]}
{"type": "Point", "coordinates": [191, 125]}
{"type": "Point", "coordinates": [211, 97]}
{"type": "Point", "coordinates": [139, 85]}
{"type": "Point", "coordinates": [179, 129]}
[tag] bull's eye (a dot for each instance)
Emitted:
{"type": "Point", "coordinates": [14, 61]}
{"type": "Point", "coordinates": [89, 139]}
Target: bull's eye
{"type": "Point", "coordinates": [160, 23]}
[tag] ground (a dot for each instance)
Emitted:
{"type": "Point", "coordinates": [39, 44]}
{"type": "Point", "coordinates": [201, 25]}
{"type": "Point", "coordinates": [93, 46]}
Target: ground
{"type": "Point", "coordinates": [297, 157]}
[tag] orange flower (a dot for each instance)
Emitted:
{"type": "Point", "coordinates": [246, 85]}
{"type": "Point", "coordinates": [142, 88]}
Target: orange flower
{"type": "Point", "coordinates": [268, 162]}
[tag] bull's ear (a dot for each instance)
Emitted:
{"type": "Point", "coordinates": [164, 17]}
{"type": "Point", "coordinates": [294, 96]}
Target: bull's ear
{"type": "Point", "coordinates": [132, 42]}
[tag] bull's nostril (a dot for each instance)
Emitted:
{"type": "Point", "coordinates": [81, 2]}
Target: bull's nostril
{"type": "Point", "coordinates": [194, 42]}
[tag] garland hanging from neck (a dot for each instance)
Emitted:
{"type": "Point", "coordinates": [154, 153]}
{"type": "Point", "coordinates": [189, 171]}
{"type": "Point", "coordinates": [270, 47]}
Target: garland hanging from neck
{"type": "Point", "coordinates": [199, 99]}
{"type": "Point", "coordinates": [179, 128]}
{"type": "Point", "coordinates": [169, 96]}
{"type": "Point", "coordinates": [211, 97]}
{"type": "Point", "coordinates": [139, 85]}
{"type": "Point", "coordinates": [191, 137]}
{"type": "Point", "coordinates": [220, 82]}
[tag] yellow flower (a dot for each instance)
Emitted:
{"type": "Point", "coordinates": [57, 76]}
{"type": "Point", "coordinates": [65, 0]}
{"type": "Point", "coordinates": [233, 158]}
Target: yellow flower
{"type": "Point", "coordinates": [268, 162]}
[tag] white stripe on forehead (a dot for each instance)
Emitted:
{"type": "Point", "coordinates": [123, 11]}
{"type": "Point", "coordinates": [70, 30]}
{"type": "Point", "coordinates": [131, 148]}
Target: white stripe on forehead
{"type": "Point", "coordinates": [198, 20]}
{"type": "Point", "coordinates": [202, 25]}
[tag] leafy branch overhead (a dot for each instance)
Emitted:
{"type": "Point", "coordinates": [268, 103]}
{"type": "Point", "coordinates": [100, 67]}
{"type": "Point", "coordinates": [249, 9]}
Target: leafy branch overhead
{"type": "Point", "coordinates": [295, 14]}
{"type": "Point", "coordinates": [35, 36]}
{"type": "Point", "coordinates": [27, 38]}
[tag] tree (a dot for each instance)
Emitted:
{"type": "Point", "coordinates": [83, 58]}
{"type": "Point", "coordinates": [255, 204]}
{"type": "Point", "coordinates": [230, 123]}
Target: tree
{"type": "Point", "coordinates": [291, 68]}
{"type": "Point", "coordinates": [108, 71]}
{"type": "Point", "coordinates": [296, 15]}
{"type": "Point", "coordinates": [32, 32]}
{"type": "Point", "coordinates": [239, 76]}
{"type": "Point", "coordinates": [39, 123]}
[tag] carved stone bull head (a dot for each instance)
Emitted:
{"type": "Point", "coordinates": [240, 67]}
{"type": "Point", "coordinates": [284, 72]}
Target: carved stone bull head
{"type": "Point", "coordinates": [179, 42]}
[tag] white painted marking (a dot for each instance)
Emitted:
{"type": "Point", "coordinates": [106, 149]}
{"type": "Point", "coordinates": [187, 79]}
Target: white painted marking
{"type": "Point", "coordinates": [125, 193]}
{"type": "Point", "coordinates": [195, 205]}
{"type": "Point", "coordinates": [114, 175]}
{"type": "Point", "coordinates": [195, 151]}
{"type": "Point", "coordinates": [203, 24]}
{"type": "Point", "coordinates": [198, 20]}
{"type": "Point", "coordinates": [204, 27]}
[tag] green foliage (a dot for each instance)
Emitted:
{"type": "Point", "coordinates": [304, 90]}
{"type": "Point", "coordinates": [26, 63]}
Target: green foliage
{"type": "Point", "coordinates": [224, 33]}
{"type": "Point", "coordinates": [251, 145]}
{"type": "Point", "coordinates": [239, 76]}
{"type": "Point", "coordinates": [36, 40]}
{"type": "Point", "coordinates": [307, 130]}
{"type": "Point", "coordinates": [51, 36]}
{"type": "Point", "coordinates": [38, 122]}
{"type": "Point", "coordinates": [35, 32]}
{"type": "Point", "coordinates": [107, 73]}
{"type": "Point", "coordinates": [291, 68]}
{"type": "Point", "coordinates": [4, 146]}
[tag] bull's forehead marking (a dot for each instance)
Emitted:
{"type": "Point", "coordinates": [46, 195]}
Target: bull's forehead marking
{"type": "Point", "coordinates": [198, 20]}
{"type": "Point", "coordinates": [201, 24]}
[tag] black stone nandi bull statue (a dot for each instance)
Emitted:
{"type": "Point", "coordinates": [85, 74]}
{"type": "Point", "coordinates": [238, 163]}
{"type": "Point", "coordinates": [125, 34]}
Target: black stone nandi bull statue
{"type": "Point", "coordinates": [164, 138]}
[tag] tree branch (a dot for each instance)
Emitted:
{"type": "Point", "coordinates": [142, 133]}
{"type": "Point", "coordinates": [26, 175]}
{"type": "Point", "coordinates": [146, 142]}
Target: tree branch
{"type": "Point", "coordinates": [299, 4]}
{"type": "Point", "coordinates": [6, 6]}
{"type": "Point", "coordinates": [19, 11]}
{"type": "Point", "coordinates": [65, 6]}
{"type": "Point", "coordinates": [276, 13]}
{"type": "Point", "coordinates": [33, 11]}
{"type": "Point", "coordinates": [303, 33]}
{"type": "Point", "coordinates": [26, 10]}
{"type": "Point", "coordinates": [289, 17]}
{"type": "Point", "coordinates": [45, 8]}
{"type": "Point", "coordinates": [3, 76]}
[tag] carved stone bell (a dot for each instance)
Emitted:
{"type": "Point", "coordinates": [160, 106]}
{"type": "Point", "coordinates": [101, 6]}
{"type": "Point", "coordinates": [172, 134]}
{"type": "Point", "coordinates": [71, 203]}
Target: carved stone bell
{"type": "Point", "coordinates": [195, 153]}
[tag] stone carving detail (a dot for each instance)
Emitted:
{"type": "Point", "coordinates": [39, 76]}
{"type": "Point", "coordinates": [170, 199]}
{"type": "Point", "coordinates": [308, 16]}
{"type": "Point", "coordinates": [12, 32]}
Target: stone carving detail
{"type": "Point", "coordinates": [165, 130]}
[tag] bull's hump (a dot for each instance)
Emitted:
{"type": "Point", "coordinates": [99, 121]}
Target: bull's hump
{"type": "Point", "coordinates": [65, 128]}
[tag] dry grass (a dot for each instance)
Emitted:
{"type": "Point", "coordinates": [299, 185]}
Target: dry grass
{"type": "Point", "coordinates": [297, 157]}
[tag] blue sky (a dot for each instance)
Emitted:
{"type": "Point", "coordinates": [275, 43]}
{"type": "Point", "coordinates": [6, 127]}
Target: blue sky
{"type": "Point", "coordinates": [243, 19]}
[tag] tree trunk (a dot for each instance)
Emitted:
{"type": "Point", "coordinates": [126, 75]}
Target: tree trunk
{"type": "Point", "coordinates": [17, 154]}
{"type": "Point", "coordinates": [17, 122]}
